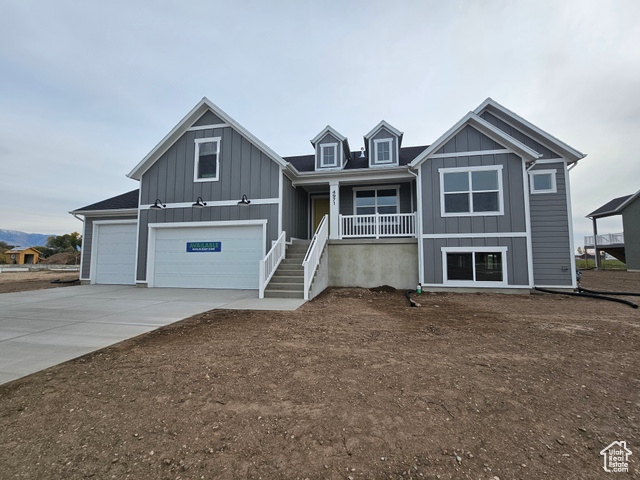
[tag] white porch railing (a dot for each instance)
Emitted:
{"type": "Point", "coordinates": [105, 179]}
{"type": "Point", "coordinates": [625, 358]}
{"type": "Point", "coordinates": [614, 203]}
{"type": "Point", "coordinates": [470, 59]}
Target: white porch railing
{"type": "Point", "coordinates": [378, 225]}
{"type": "Point", "coordinates": [269, 264]}
{"type": "Point", "coordinates": [605, 239]}
{"type": "Point", "coordinates": [312, 258]}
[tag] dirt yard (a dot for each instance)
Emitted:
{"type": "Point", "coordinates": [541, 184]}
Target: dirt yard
{"type": "Point", "coordinates": [22, 281]}
{"type": "Point", "coordinates": [355, 384]}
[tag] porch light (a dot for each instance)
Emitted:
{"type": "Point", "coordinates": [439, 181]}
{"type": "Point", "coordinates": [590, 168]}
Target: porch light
{"type": "Point", "coordinates": [158, 205]}
{"type": "Point", "coordinates": [199, 203]}
{"type": "Point", "coordinates": [245, 201]}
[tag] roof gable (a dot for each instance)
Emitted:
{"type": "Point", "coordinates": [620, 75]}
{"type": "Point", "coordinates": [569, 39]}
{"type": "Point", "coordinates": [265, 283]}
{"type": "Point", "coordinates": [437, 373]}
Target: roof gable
{"type": "Point", "coordinates": [380, 126]}
{"type": "Point", "coordinates": [614, 207]}
{"type": "Point", "coordinates": [483, 127]}
{"type": "Point", "coordinates": [324, 131]}
{"type": "Point", "coordinates": [198, 112]}
{"type": "Point", "coordinates": [545, 138]}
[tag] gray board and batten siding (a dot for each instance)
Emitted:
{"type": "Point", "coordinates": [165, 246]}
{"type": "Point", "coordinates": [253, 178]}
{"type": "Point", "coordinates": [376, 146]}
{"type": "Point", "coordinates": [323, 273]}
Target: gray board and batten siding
{"type": "Point", "coordinates": [295, 210]}
{"type": "Point", "coordinates": [87, 240]}
{"type": "Point", "coordinates": [550, 236]}
{"type": "Point", "coordinates": [631, 226]}
{"type": "Point", "coordinates": [243, 169]}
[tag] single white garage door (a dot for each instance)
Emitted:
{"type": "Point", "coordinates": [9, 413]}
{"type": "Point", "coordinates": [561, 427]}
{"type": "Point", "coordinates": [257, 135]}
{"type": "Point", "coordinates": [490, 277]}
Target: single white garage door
{"type": "Point", "coordinates": [114, 250]}
{"type": "Point", "coordinates": [208, 257]}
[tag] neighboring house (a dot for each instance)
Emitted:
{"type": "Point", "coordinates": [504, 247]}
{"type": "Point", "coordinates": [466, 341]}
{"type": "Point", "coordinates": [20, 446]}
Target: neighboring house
{"type": "Point", "coordinates": [625, 246]}
{"type": "Point", "coordinates": [486, 205]}
{"type": "Point", "coordinates": [22, 256]}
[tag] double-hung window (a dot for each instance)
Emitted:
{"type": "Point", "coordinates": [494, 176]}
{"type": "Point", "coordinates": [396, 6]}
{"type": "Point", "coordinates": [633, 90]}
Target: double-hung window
{"type": "Point", "coordinates": [469, 265]}
{"type": "Point", "coordinates": [329, 155]}
{"type": "Point", "coordinates": [543, 181]}
{"type": "Point", "coordinates": [382, 150]}
{"type": "Point", "coordinates": [471, 191]}
{"type": "Point", "coordinates": [207, 159]}
{"type": "Point", "coordinates": [383, 200]}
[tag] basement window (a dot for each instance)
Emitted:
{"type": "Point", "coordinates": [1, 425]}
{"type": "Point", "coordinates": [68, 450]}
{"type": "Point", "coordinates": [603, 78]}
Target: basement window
{"type": "Point", "coordinates": [471, 266]}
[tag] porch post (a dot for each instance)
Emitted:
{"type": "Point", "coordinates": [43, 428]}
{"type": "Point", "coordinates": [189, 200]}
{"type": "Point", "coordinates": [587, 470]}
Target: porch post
{"type": "Point", "coordinates": [334, 209]}
{"type": "Point", "coordinates": [595, 243]}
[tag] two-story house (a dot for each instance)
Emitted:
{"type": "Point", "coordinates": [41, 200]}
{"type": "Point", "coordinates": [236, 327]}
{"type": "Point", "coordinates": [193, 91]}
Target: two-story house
{"type": "Point", "coordinates": [487, 205]}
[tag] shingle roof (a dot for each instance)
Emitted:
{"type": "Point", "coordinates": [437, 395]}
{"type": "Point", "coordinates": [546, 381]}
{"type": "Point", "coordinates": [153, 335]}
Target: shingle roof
{"type": "Point", "coordinates": [119, 202]}
{"type": "Point", "coordinates": [306, 163]}
{"type": "Point", "coordinates": [609, 208]}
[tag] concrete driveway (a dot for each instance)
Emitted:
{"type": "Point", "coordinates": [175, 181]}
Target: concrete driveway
{"type": "Point", "coordinates": [42, 328]}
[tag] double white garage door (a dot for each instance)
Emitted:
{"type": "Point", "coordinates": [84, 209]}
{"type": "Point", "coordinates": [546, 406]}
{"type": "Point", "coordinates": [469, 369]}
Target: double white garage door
{"type": "Point", "coordinates": [225, 256]}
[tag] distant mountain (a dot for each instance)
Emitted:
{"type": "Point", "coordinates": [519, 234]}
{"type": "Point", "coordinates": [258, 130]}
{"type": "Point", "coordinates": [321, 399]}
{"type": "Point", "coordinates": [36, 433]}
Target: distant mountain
{"type": "Point", "coordinates": [23, 239]}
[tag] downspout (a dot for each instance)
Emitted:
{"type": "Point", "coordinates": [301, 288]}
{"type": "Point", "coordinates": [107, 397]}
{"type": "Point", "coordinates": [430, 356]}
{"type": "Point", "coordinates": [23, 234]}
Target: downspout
{"type": "Point", "coordinates": [418, 214]}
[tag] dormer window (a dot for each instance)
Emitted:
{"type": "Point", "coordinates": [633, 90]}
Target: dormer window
{"type": "Point", "coordinates": [207, 159]}
{"type": "Point", "coordinates": [329, 155]}
{"type": "Point", "coordinates": [383, 150]}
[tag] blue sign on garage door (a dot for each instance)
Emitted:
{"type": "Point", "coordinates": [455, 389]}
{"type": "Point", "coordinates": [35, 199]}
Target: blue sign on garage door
{"type": "Point", "coordinates": [204, 246]}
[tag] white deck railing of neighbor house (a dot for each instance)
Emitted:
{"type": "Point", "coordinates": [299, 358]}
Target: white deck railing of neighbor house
{"type": "Point", "coordinates": [378, 225]}
{"type": "Point", "coordinates": [605, 239]}
{"type": "Point", "coordinates": [269, 264]}
{"type": "Point", "coordinates": [314, 253]}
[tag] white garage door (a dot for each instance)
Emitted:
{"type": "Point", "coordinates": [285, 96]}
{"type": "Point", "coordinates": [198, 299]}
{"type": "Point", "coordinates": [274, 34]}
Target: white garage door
{"type": "Point", "coordinates": [208, 257]}
{"type": "Point", "coordinates": [115, 253]}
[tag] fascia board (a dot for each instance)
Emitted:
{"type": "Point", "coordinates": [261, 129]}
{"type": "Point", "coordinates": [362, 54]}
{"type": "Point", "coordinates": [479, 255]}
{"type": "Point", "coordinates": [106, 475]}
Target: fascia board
{"type": "Point", "coordinates": [383, 124]}
{"type": "Point", "coordinates": [484, 127]}
{"type": "Point", "coordinates": [105, 213]}
{"type": "Point", "coordinates": [355, 175]}
{"type": "Point", "coordinates": [325, 130]}
{"type": "Point", "coordinates": [197, 111]}
{"type": "Point", "coordinates": [567, 151]}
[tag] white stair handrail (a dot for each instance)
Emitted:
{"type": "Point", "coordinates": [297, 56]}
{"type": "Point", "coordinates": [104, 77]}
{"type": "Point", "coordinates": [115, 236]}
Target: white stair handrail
{"type": "Point", "coordinates": [312, 258]}
{"type": "Point", "coordinates": [270, 262]}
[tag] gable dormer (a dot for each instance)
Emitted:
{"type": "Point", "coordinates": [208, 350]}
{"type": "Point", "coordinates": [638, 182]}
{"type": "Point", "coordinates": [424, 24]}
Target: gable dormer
{"type": "Point", "coordinates": [383, 145]}
{"type": "Point", "coordinates": [332, 149]}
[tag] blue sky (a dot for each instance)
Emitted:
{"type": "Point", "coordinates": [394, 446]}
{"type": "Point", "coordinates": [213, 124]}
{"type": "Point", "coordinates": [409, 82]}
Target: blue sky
{"type": "Point", "coordinates": [87, 89]}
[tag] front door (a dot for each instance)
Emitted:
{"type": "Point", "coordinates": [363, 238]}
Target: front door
{"type": "Point", "coordinates": [320, 209]}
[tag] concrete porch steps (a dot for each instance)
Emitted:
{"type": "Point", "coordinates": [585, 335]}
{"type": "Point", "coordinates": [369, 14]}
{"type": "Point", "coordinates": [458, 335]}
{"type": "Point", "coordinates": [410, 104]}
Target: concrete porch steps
{"type": "Point", "coordinates": [288, 279]}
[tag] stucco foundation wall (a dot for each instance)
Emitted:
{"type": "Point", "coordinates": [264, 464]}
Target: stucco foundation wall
{"type": "Point", "coordinates": [373, 263]}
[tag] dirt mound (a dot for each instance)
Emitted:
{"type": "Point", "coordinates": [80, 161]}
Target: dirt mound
{"type": "Point", "coordinates": [62, 259]}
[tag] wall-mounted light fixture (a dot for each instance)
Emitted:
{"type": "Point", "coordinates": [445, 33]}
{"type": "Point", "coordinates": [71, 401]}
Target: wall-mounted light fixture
{"type": "Point", "coordinates": [245, 201]}
{"type": "Point", "coordinates": [158, 205]}
{"type": "Point", "coordinates": [199, 203]}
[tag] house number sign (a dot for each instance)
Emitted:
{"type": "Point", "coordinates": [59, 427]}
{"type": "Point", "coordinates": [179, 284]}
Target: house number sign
{"type": "Point", "coordinates": [204, 246]}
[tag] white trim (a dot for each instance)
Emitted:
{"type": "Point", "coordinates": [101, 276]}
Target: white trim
{"type": "Point", "coordinates": [153, 227]}
{"type": "Point", "coordinates": [325, 130]}
{"type": "Point", "coordinates": [218, 203]}
{"type": "Point", "coordinates": [82, 251]}
{"type": "Point", "coordinates": [392, 157]}
{"type": "Point", "coordinates": [489, 104]}
{"type": "Point", "coordinates": [574, 279]}
{"type": "Point", "coordinates": [106, 213]}
{"type": "Point", "coordinates": [359, 175]}
{"type": "Point", "coordinates": [549, 160]}
{"type": "Point", "coordinates": [138, 232]}
{"type": "Point", "coordinates": [527, 219]}
{"type": "Point", "coordinates": [198, 141]}
{"type": "Point", "coordinates": [95, 233]}
{"type": "Point", "coordinates": [471, 213]}
{"type": "Point", "coordinates": [375, 188]}
{"type": "Point", "coordinates": [419, 226]}
{"type": "Point", "coordinates": [473, 250]}
{"type": "Point", "coordinates": [207, 127]}
{"type": "Point", "coordinates": [335, 154]}
{"type": "Point", "coordinates": [426, 236]}
{"type": "Point", "coordinates": [280, 200]}
{"type": "Point", "coordinates": [484, 127]}
{"type": "Point", "coordinates": [533, 173]}
{"type": "Point", "coordinates": [380, 126]}
{"type": "Point", "coordinates": [474, 153]}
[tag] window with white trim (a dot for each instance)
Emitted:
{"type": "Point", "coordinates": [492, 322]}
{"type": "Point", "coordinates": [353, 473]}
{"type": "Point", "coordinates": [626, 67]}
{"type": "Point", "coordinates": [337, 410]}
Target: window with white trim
{"type": "Point", "coordinates": [471, 191]}
{"type": "Point", "coordinates": [468, 265]}
{"type": "Point", "coordinates": [207, 159]}
{"type": "Point", "coordinates": [383, 200]}
{"type": "Point", "coordinates": [382, 151]}
{"type": "Point", "coordinates": [542, 181]}
{"type": "Point", "coordinates": [329, 155]}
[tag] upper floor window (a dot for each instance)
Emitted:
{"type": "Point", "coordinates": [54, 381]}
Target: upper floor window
{"type": "Point", "coordinates": [382, 150]}
{"type": "Point", "coordinates": [207, 159]}
{"type": "Point", "coordinates": [543, 181]}
{"type": "Point", "coordinates": [329, 155]}
{"type": "Point", "coordinates": [471, 191]}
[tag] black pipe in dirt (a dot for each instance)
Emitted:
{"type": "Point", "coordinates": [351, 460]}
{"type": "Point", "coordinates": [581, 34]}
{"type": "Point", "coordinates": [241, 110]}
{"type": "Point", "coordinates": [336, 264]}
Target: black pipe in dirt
{"type": "Point", "coordinates": [588, 295]}
{"type": "Point", "coordinates": [412, 302]}
{"type": "Point", "coordinates": [627, 294]}
{"type": "Point", "coordinates": [65, 281]}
